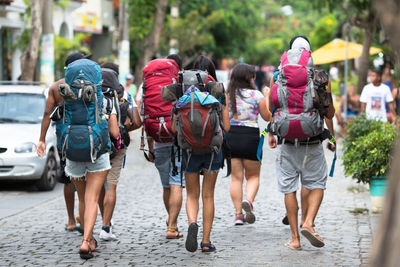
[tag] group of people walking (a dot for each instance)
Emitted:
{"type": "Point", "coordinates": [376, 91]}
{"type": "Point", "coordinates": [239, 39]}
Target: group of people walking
{"type": "Point", "coordinates": [195, 128]}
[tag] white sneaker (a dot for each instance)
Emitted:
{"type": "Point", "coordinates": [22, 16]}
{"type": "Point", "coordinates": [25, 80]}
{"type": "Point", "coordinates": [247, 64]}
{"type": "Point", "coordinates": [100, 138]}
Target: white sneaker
{"type": "Point", "coordinates": [107, 236]}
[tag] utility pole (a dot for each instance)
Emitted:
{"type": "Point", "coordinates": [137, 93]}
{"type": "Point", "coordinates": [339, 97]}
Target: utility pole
{"type": "Point", "coordinates": [123, 52]}
{"type": "Point", "coordinates": [47, 44]}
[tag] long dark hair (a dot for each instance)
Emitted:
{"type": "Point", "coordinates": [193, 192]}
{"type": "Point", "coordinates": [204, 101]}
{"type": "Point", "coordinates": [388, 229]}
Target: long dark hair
{"type": "Point", "coordinates": [241, 78]}
{"type": "Point", "coordinates": [205, 64]}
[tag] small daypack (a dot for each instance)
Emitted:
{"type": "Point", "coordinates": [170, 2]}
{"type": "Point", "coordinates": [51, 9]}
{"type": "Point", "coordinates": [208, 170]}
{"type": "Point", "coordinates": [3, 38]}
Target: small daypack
{"type": "Point", "coordinates": [156, 112]}
{"type": "Point", "coordinates": [198, 125]}
{"type": "Point", "coordinates": [197, 78]}
{"type": "Point", "coordinates": [293, 96]}
{"type": "Point", "coordinates": [82, 135]}
{"type": "Point", "coordinates": [116, 96]}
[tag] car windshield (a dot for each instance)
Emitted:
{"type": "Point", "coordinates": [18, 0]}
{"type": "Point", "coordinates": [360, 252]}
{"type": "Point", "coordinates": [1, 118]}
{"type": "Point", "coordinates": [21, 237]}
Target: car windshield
{"type": "Point", "coordinates": [21, 108]}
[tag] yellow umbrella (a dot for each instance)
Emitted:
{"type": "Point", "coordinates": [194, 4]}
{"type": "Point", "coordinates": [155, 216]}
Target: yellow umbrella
{"type": "Point", "coordinates": [336, 51]}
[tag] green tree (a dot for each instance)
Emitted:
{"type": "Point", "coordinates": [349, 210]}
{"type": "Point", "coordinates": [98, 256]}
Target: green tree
{"type": "Point", "coordinates": [63, 47]}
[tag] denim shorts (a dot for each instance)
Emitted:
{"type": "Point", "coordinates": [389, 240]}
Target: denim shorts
{"type": "Point", "coordinates": [164, 166]}
{"type": "Point", "coordinates": [198, 163]}
{"type": "Point", "coordinates": [76, 170]}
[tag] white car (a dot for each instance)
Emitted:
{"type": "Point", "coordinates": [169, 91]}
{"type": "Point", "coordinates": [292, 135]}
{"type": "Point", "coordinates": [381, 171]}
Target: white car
{"type": "Point", "coordinates": [21, 113]}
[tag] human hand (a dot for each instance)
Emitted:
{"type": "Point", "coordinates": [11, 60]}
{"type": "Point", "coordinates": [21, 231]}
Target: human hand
{"type": "Point", "coordinates": [41, 149]}
{"type": "Point", "coordinates": [272, 141]}
{"type": "Point", "coordinates": [331, 146]}
{"type": "Point", "coordinates": [151, 156]}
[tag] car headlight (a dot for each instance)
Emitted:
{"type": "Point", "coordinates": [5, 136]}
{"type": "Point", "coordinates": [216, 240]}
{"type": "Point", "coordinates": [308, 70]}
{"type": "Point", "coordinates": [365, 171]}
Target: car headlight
{"type": "Point", "coordinates": [25, 148]}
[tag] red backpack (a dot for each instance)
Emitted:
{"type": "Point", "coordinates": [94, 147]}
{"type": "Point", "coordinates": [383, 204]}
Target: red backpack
{"type": "Point", "coordinates": [157, 112]}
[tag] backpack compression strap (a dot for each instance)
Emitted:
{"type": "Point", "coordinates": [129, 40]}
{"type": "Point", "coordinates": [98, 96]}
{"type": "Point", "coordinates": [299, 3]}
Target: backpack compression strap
{"type": "Point", "coordinates": [333, 140]}
{"type": "Point", "coordinates": [261, 143]}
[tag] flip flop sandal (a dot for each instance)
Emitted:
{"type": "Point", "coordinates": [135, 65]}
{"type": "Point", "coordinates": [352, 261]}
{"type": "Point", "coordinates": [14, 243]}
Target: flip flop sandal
{"type": "Point", "coordinates": [174, 230]}
{"type": "Point", "coordinates": [289, 245]}
{"type": "Point", "coordinates": [191, 238]}
{"type": "Point", "coordinates": [86, 254]}
{"type": "Point", "coordinates": [70, 228]}
{"type": "Point", "coordinates": [210, 247]}
{"type": "Point", "coordinates": [313, 238]}
{"type": "Point", "coordinates": [285, 220]}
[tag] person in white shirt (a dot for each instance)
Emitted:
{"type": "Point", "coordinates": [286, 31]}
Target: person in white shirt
{"type": "Point", "coordinates": [374, 97]}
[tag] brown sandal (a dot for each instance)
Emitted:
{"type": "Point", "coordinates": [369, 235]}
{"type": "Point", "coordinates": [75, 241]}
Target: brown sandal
{"type": "Point", "coordinates": [176, 234]}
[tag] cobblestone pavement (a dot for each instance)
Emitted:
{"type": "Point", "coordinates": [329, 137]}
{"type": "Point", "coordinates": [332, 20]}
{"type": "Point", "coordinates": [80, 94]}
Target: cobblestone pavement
{"type": "Point", "coordinates": [36, 237]}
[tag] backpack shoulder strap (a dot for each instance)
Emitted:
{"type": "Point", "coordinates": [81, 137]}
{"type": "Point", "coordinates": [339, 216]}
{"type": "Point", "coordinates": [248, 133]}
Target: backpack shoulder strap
{"type": "Point", "coordinates": [284, 59]}
{"type": "Point", "coordinates": [305, 56]}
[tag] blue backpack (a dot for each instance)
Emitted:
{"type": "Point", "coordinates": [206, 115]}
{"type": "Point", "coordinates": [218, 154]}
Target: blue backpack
{"type": "Point", "coordinates": [82, 135]}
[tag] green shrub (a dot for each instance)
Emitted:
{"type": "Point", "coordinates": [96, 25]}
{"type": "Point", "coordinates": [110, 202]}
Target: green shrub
{"type": "Point", "coordinates": [367, 148]}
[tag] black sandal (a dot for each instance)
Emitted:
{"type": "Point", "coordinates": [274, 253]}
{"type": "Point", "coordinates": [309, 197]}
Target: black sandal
{"type": "Point", "coordinates": [86, 254]}
{"type": "Point", "coordinates": [191, 238]}
{"type": "Point", "coordinates": [210, 247]}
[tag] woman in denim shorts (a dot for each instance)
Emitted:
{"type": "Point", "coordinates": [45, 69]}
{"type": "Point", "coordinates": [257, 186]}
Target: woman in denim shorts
{"type": "Point", "coordinates": [89, 178]}
{"type": "Point", "coordinates": [197, 164]}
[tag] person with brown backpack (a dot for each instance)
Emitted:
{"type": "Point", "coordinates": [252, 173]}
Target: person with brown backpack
{"type": "Point", "coordinates": [199, 120]}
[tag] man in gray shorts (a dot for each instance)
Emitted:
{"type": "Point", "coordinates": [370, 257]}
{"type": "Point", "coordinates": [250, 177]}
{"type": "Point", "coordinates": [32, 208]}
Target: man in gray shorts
{"type": "Point", "coordinates": [304, 159]}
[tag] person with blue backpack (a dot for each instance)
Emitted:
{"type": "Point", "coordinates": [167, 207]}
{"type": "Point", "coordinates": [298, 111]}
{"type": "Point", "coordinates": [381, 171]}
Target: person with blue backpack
{"type": "Point", "coordinates": [300, 99]}
{"type": "Point", "coordinates": [84, 140]}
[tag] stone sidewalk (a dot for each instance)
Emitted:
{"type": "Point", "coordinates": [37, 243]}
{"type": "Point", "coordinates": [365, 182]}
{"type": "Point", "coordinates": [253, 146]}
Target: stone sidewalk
{"type": "Point", "coordinates": [37, 237]}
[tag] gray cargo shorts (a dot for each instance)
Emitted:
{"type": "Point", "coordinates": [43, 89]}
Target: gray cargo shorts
{"type": "Point", "coordinates": [306, 162]}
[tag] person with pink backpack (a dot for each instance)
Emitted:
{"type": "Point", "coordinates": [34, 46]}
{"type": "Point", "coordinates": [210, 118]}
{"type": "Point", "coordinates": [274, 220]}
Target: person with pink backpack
{"type": "Point", "coordinates": [300, 99]}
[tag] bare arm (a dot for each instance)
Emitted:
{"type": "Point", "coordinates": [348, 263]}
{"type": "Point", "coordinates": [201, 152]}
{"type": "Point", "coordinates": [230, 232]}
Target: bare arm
{"type": "Point", "coordinates": [226, 122]}
{"type": "Point", "coordinates": [363, 105]}
{"type": "Point", "coordinates": [263, 106]}
{"type": "Point", "coordinates": [50, 104]}
{"type": "Point", "coordinates": [331, 108]}
{"type": "Point", "coordinates": [392, 113]}
{"type": "Point", "coordinates": [113, 125]}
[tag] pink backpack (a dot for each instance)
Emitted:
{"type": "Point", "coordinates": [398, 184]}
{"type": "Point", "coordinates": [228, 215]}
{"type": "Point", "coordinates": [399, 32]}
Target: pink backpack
{"type": "Point", "coordinates": [292, 96]}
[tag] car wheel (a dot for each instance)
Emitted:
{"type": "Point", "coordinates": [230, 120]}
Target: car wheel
{"type": "Point", "coordinates": [49, 176]}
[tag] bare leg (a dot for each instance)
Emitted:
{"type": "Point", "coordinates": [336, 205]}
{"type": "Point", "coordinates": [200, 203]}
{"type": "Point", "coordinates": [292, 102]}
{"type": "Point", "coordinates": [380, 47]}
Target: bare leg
{"type": "Point", "coordinates": [292, 211]}
{"type": "Point", "coordinates": [237, 176]}
{"type": "Point", "coordinates": [192, 196]}
{"type": "Point", "coordinates": [252, 173]}
{"type": "Point", "coordinates": [101, 201]}
{"type": "Point", "coordinates": [110, 199]}
{"type": "Point", "coordinates": [80, 186]}
{"type": "Point", "coordinates": [94, 182]}
{"type": "Point", "coordinates": [314, 201]}
{"type": "Point", "coordinates": [208, 203]}
{"type": "Point", "coordinates": [175, 204]}
{"type": "Point", "coordinates": [69, 196]}
{"type": "Point", "coordinates": [304, 204]}
{"type": "Point", "coordinates": [166, 197]}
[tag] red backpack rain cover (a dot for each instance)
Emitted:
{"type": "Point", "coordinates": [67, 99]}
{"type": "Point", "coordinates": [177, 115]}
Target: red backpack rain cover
{"type": "Point", "coordinates": [157, 112]}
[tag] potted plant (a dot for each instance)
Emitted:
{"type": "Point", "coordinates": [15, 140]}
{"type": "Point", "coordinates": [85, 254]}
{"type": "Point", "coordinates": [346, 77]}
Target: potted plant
{"type": "Point", "coordinates": [367, 155]}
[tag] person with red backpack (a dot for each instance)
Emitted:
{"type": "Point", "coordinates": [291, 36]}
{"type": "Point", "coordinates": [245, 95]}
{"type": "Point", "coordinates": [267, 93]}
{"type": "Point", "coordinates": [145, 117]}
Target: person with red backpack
{"type": "Point", "coordinates": [299, 112]}
{"type": "Point", "coordinates": [198, 120]}
{"type": "Point", "coordinates": [163, 152]}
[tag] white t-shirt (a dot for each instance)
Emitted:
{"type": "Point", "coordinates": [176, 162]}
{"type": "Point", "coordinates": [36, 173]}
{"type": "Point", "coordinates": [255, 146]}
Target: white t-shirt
{"type": "Point", "coordinates": [376, 97]}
